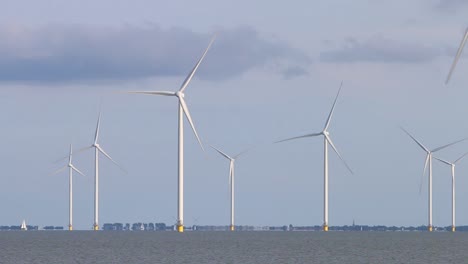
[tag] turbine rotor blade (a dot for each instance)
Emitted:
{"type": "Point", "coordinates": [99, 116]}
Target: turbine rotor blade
{"type": "Point", "coordinates": [189, 118]}
{"type": "Point", "coordinates": [304, 136]}
{"type": "Point", "coordinates": [70, 156]}
{"type": "Point", "coordinates": [460, 158]}
{"type": "Point", "coordinates": [164, 93]}
{"type": "Point", "coordinates": [444, 146]}
{"type": "Point", "coordinates": [83, 149]}
{"type": "Point", "coordinates": [443, 161]}
{"type": "Point", "coordinates": [222, 153]}
{"type": "Point", "coordinates": [424, 173]}
{"type": "Point", "coordinates": [242, 152]}
{"type": "Point", "coordinates": [415, 140]}
{"type": "Point", "coordinates": [231, 170]}
{"type": "Point", "coordinates": [333, 108]}
{"type": "Point", "coordinates": [96, 137]}
{"type": "Point", "coordinates": [189, 77]}
{"type": "Point", "coordinates": [77, 170]}
{"type": "Point", "coordinates": [59, 170]}
{"type": "Point", "coordinates": [111, 159]}
{"type": "Point", "coordinates": [457, 56]}
{"type": "Point", "coordinates": [337, 153]}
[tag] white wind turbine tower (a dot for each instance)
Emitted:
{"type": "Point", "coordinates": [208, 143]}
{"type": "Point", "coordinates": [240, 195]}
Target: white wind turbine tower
{"type": "Point", "coordinates": [71, 168]}
{"type": "Point", "coordinates": [457, 56]}
{"type": "Point", "coordinates": [231, 180]}
{"type": "Point", "coordinates": [327, 141]}
{"type": "Point", "coordinates": [429, 161]}
{"type": "Point", "coordinates": [183, 109]}
{"type": "Point", "coordinates": [452, 165]}
{"type": "Point", "coordinates": [97, 149]}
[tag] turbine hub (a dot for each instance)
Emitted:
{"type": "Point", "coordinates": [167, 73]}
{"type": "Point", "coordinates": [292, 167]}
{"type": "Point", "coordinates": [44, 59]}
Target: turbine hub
{"type": "Point", "coordinates": [326, 133]}
{"type": "Point", "coordinates": [179, 94]}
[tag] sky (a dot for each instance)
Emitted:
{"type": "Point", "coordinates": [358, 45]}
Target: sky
{"type": "Point", "coordinates": [272, 73]}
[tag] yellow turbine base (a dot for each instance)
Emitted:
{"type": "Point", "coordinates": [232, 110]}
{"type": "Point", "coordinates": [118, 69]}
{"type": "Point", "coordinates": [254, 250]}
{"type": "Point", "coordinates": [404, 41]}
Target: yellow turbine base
{"type": "Point", "coordinates": [325, 228]}
{"type": "Point", "coordinates": [453, 228]}
{"type": "Point", "coordinates": [70, 227]}
{"type": "Point", "coordinates": [231, 228]}
{"type": "Point", "coordinates": [429, 229]}
{"type": "Point", "coordinates": [95, 227]}
{"type": "Point", "coordinates": [180, 228]}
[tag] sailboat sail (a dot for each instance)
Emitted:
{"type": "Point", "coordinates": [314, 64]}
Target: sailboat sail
{"type": "Point", "coordinates": [23, 225]}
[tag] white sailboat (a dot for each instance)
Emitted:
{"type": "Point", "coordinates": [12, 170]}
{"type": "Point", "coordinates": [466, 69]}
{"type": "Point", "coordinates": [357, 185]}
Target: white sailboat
{"type": "Point", "coordinates": [23, 226]}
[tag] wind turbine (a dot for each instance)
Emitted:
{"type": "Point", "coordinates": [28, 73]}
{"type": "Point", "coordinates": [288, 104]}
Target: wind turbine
{"type": "Point", "coordinates": [71, 168]}
{"type": "Point", "coordinates": [98, 149]}
{"type": "Point", "coordinates": [429, 161]}
{"type": "Point", "coordinates": [231, 180]}
{"type": "Point", "coordinates": [183, 109]}
{"type": "Point", "coordinates": [452, 165]}
{"type": "Point", "coordinates": [327, 141]}
{"type": "Point", "coordinates": [457, 56]}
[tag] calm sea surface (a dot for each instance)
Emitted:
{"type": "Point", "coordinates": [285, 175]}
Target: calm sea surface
{"type": "Point", "coordinates": [232, 247]}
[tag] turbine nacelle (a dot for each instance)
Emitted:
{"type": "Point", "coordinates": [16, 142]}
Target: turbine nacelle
{"type": "Point", "coordinates": [179, 94]}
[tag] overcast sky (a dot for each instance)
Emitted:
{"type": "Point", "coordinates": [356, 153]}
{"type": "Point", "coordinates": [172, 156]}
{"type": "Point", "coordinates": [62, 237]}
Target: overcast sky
{"type": "Point", "coordinates": [272, 73]}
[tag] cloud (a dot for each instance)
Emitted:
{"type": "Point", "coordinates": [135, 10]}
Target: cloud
{"type": "Point", "coordinates": [450, 5]}
{"type": "Point", "coordinates": [77, 53]}
{"type": "Point", "coordinates": [380, 49]}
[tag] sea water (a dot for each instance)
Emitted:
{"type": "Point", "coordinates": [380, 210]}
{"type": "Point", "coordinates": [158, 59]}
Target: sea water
{"type": "Point", "coordinates": [232, 247]}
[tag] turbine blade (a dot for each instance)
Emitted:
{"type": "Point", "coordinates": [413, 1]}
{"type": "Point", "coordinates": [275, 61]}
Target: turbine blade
{"type": "Point", "coordinates": [222, 153]}
{"type": "Point", "coordinates": [111, 159]}
{"type": "Point", "coordinates": [443, 161]}
{"type": "Point", "coordinates": [243, 152]}
{"type": "Point", "coordinates": [337, 153]}
{"type": "Point", "coordinates": [448, 145]}
{"type": "Point", "coordinates": [83, 149]}
{"type": "Point", "coordinates": [231, 170]}
{"type": "Point", "coordinates": [70, 156]}
{"type": "Point", "coordinates": [415, 140]}
{"type": "Point", "coordinates": [423, 174]}
{"type": "Point", "coordinates": [164, 93]}
{"type": "Point", "coordinates": [308, 135]}
{"type": "Point", "coordinates": [333, 108]}
{"type": "Point", "coordinates": [457, 56]}
{"type": "Point", "coordinates": [65, 157]}
{"type": "Point", "coordinates": [96, 137]}
{"type": "Point", "coordinates": [189, 118]}
{"type": "Point", "coordinates": [460, 158]}
{"type": "Point", "coordinates": [59, 170]}
{"type": "Point", "coordinates": [77, 170]}
{"type": "Point", "coordinates": [189, 77]}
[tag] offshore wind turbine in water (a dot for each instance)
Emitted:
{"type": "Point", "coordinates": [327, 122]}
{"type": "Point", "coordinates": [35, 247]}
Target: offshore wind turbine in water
{"type": "Point", "coordinates": [71, 168]}
{"type": "Point", "coordinates": [183, 109]}
{"type": "Point", "coordinates": [98, 149]}
{"type": "Point", "coordinates": [231, 180]}
{"type": "Point", "coordinates": [452, 165]}
{"type": "Point", "coordinates": [426, 163]}
{"type": "Point", "coordinates": [327, 141]}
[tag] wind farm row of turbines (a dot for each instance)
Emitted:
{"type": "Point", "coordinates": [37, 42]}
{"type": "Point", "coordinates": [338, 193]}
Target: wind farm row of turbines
{"type": "Point", "coordinates": [184, 111]}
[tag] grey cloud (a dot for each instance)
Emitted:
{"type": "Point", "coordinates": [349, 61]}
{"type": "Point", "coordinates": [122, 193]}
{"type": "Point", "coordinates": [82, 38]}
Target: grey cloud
{"type": "Point", "coordinates": [78, 53]}
{"type": "Point", "coordinates": [450, 5]}
{"type": "Point", "coordinates": [380, 49]}
{"type": "Point", "coordinates": [294, 71]}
